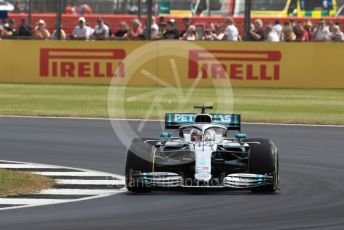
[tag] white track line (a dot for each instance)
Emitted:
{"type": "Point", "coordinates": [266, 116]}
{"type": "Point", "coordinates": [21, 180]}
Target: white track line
{"type": "Point", "coordinates": [81, 174]}
{"type": "Point", "coordinates": [76, 191]}
{"type": "Point", "coordinates": [156, 120]}
{"type": "Point", "coordinates": [27, 166]}
{"type": "Point", "coordinates": [32, 201]}
{"type": "Point", "coordinates": [89, 182]}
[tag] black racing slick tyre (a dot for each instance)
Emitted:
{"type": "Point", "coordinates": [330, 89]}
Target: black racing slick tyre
{"type": "Point", "coordinates": [139, 159]}
{"type": "Point", "coordinates": [263, 159]}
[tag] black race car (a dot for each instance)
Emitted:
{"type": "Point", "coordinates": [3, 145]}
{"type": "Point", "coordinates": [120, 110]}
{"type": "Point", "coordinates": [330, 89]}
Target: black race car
{"type": "Point", "coordinates": [202, 154]}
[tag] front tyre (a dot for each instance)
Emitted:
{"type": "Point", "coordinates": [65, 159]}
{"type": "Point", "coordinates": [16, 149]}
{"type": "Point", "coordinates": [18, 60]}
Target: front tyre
{"type": "Point", "coordinates": [263, 159]}
{"type": "Point", "coordinates": [139, 159]}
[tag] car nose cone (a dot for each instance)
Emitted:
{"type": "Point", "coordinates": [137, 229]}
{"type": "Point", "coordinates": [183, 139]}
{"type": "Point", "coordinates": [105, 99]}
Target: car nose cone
{"type": "Point", "coordinates": [203, 176]}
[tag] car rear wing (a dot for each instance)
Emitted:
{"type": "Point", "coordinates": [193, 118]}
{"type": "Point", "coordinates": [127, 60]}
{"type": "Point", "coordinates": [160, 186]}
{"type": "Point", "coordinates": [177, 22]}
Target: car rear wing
{"type": "Point", "coordinates": [176, 120]}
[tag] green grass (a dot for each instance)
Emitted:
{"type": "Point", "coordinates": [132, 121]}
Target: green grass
{"type": "Point", "coordinates": [14, 183]}
{"type": "Point", "coordinates": [319, 106]}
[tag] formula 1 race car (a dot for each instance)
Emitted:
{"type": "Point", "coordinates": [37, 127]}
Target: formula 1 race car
{"type": "Point", "coordinates": [202, 154]}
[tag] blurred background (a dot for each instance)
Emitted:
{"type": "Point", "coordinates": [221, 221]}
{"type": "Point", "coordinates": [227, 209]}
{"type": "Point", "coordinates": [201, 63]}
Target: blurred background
{"type": "Point", "coordinates": [174, 7]}
{"type": "Point", "coordinates": [204, 14]}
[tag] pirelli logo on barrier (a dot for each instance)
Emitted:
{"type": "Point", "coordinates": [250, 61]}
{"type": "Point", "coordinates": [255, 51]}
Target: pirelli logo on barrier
{"type": "Point", "coordinates": [82, 63]}
{"type": "Point", "coordinates": [236, 64]}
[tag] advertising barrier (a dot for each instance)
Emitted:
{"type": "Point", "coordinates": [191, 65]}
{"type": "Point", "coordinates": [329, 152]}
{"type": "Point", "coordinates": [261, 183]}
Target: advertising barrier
{"type": "Point", "coordinates": [284, 65]}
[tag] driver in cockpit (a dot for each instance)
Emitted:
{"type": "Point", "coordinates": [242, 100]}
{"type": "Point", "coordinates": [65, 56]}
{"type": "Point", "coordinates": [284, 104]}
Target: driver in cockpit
{"type": "Point", "coordinates": [209, 135]}
{"type": "Point", "coordinates": [196, 135]}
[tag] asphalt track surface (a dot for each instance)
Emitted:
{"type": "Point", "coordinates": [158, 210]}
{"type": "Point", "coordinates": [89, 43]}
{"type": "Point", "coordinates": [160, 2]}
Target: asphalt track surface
{"type": "Point", "coordinates": [311, 196]}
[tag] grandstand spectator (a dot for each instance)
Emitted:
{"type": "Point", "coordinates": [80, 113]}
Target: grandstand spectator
{"type": "Point", "coordinates": [288, 34]}
{"type": "Point", "coordinates": [17, 8]}
{"type": "Point", "coordinates": [132, 8]}
{"type": "Point", "coordinates": [89, 27]}
{"type": "Point", "coordinates": [101, 31]}
{"type": "Point", "coordinates": [211, 27]}
{"type": "Point", "coordinates": [6, 30]}
{"type": "Point", "coordinates": [162, 28]}
{"type": "Point", "coordinates": [278, 27]}
{"type": "Point", "coordinates": [190, 34]}
{"type": "Point", "coordinates": [24, 29]}
{"type": "Point", "coordinates": [231, 31]}
{"type": "Point", "coordinates": [270, 34]}
{"type": "Point", "coordinates": [257, 34]}
{"type": "Point", "coordinates": [122, 32]}
{"type": "Point", "coordinates": [84, 9]}
{"type": "Point", "coordinates": [154, 30]}
{"type": "Point", "coordinates": [218, 32]}
{"type": "Point", "coordinates": [70, 9]}
{"type": "Point", "coordinates": [285, 24]}
{"type": "Point", "coordinates": [308, 26]}
{"type": "Point", "coordinates": [171, 30]}
{"type": "Point", "coordinates": [186, 23]}
{"type": "Point", "coordinates": [200, 32]}
{"type": "Point", "coordinates": [81, 31]}
{"type": "Point", "coordinates": [322, 32]}
{"type": "Point", "coordinates": [297, 30]}
{"type": "Point", "coordinates": [162, 24]}
{"type": "Point", "coordinates": [330, 26]}
{"type": "Point", "coordinates": [62, 34]}
{"type": "Point", "coordinates": [208, 33]}
{"type": "Point", "coordinates": [337, 35]}
{"type": "Point", "coordinates": [41, 31]}
{"type": "Point", "coordinates": [110, 31]}
{"type": "Point", "coordinates": [292, 23]}
{"type": "Point", "coordinates": [12, 23]}
{"type": "Point", "coordinates": [302, 35]}
{"type": "Point", "coordinates": [135, 31]}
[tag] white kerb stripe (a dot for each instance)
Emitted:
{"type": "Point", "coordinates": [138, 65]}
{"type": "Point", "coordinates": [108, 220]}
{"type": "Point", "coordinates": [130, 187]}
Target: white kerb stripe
{"type": "Point", "coordinates": [79, 191]}
{"type": "Point", "coordinates": [75, 174]}
{"type": "Point", "coordinates": [31, 201]}
{"type": "Point", "coordinates": [90, 182]}
{"type": "Point", "coordinates": [27, 166]}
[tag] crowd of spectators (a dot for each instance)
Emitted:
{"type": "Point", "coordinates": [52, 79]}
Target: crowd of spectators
{"type": "Point", "coordinates": [290, 31]}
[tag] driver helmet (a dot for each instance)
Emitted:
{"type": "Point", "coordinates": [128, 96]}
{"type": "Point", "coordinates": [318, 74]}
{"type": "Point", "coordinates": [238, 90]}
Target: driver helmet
{"type": "Point", "coordinates": [196, 135]}
{"type": "Point", "coordinates": [209, 135]}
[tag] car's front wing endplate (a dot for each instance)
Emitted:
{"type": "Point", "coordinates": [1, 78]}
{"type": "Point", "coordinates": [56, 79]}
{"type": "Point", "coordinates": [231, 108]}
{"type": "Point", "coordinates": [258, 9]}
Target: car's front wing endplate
{"type": "Point", "coordinates": [247, 180]}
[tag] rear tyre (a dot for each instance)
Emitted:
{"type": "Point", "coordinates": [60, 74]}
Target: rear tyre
{"type": "Point", "coordinates": [263, 159]}
{"type": "Point", "coordinates": [139, 159]}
